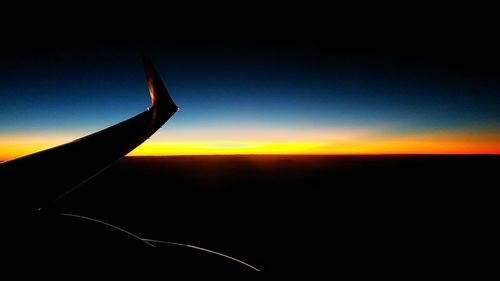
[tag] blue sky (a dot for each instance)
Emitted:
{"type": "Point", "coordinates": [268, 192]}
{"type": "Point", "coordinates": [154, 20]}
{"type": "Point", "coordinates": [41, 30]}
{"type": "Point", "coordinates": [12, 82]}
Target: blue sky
{"type": "Point", "coordinates": [79, 91]}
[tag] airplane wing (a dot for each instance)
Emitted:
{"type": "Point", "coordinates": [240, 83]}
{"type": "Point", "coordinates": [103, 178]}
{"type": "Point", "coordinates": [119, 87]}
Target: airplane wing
{"type": "Point", "coordinates": [33, 181]}
{"type": "Point", "coordinates": [51, 243]}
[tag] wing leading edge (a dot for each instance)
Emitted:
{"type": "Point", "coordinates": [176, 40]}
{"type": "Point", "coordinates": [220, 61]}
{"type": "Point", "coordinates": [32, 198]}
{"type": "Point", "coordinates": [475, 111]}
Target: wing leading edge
{"type": "Point", "coordinates": [34, 180]}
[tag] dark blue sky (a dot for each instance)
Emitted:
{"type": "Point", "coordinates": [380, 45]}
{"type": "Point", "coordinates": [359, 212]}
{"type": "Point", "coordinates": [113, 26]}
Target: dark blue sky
{"type": "Point", "coordinates": [304, 82]}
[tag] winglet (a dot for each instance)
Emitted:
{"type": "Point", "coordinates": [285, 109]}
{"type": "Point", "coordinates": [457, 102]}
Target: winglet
{"type": "Point", "coordinates": [160, 98]}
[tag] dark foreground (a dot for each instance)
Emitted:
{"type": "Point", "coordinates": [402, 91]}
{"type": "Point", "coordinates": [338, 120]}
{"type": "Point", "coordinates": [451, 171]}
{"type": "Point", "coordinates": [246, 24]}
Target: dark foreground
{"type": "Point", "coordinates": [303, 216]}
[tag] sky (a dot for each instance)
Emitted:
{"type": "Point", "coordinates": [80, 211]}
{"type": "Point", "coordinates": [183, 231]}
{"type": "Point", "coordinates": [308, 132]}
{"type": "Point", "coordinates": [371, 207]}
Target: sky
{"type": "Point", "coordinates": [257, 89]}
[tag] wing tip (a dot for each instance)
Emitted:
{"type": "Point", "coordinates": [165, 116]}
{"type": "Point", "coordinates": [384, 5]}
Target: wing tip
{"type": "Point", "coordinates": [159, 94]}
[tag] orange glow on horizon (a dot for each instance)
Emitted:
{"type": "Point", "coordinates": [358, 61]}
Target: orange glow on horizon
{"type": "Point", "coordinates": [367, 142]}
{"type": "Point", "coordinates": [14, 146]}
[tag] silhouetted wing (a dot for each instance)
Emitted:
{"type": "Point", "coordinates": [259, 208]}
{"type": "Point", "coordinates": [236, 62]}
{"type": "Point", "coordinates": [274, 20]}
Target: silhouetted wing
{"type": "Point", "coordinates": [34, 180]}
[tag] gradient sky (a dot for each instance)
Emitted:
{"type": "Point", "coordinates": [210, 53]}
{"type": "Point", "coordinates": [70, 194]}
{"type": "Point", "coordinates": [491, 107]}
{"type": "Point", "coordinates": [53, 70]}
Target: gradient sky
{"type": "Point", "coordinates": [252, 95]}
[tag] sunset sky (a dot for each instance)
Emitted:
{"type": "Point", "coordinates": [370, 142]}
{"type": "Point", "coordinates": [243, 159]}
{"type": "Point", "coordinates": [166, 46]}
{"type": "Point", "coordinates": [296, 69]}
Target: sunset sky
{"type": "Point", "coordinates": [255, 94]}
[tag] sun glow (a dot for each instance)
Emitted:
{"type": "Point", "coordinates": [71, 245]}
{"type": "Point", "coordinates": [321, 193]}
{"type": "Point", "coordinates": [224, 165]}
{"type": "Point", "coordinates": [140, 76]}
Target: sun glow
{"type": "Point", "coordinates": [12, 146]}
{"type": "Point", "coordinates": [361, 142]}
{"type": "Point", "coordinates": [255, 141]}
{"type": "Point", "coordinates": [196, 148]}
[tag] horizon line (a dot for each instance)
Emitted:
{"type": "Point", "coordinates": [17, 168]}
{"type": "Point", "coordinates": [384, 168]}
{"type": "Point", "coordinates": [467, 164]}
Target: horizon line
{"type": "Point", "coordinates": [309, 154]}
{"type": "Point", "coordinates": [458, 153]}
{"type": "Point", "coordinates": [312, 154]}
